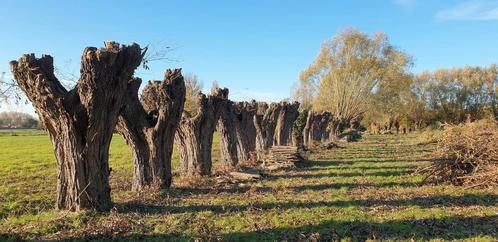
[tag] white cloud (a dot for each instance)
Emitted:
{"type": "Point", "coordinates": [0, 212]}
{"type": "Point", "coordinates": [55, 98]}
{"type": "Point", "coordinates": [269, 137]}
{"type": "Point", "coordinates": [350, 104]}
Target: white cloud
{"type": "Point", "coordinates": [406, 4]}
{"type": "Point", "coordinates": [471, 10]}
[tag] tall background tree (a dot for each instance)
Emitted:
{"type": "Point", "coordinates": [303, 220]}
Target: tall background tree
{"type": "Point", "coordinates": [18, 120]}
{"type": "Point", "coordinates": [348, 71]}
{"type": "Point", "coordinates": [192, 87]}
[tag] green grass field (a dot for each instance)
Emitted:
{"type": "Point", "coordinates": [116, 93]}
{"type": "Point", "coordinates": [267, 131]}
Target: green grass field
{"type": "Point", "coordinates": [365, 190]}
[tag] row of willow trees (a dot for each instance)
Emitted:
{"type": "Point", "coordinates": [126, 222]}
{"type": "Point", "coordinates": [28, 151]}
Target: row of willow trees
{"type": "Point", "coordinates": [106, 98]}
{"type": "Point", "coordinates": [365, 79]}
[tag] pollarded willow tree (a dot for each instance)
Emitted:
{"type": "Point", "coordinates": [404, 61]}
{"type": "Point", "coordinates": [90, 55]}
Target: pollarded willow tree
{"type": "Point", "coordinates": [348, 70]}
{"type": "Point", "coordinates": [148, 125]}
{"type": "Point", "coordinates": [194, 136]}
{"type": "Point", "coordinates": [245, 129]}
{"type": "Point", "coordinates": [315, 130]}
{"type": "Point", "coordinates": [269, 124]}
{"type": "Point", "coordinates": [228, 136]}
{"type": "Point", "coordinates": [260, 141]}
{"type": "Point", "coordinates": [80, 122]}
{"type": "Point", "coordinates": [285, 122]}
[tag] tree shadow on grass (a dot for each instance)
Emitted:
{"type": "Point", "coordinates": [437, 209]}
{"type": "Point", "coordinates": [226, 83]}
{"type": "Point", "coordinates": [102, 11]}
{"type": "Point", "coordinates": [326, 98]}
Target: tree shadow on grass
{"type": "Point", "coordinates": [341, 185]}
{"type": "Point", "coordinates": [424, 202]}
{"type": "Point", "coordinates": [341, 174]}
{"type": "Point", "coordinates": [316, 163]}
{"type": "Point", "coordinates": [357, 167]}
{"type": "Point", "coordinates": [187, 192]}
{"type": "Point", "coordinates": [448, 228]}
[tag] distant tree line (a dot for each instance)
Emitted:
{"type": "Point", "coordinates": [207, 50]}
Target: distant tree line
{"type": "Point", "coordinates": [18, 120]}
{"type": "Point", "coordinates": [362, 79]}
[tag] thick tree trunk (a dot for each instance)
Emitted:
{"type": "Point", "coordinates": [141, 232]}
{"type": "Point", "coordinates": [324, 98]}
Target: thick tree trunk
{"type": "Point", "coordinates": [260, 132]}
{"type": "Point", "coordinates": [228, 137]}
{"type": "Point", "coordinates": [315, 130]}
{"type": "Point", "coordinates": [269, 124]}
{"type": "Point", "coordinates": [285, 122]}
{"type": "Point", "coordinates": [149, 125]}
{"type": "Point", "coordinates": [265, 121]}
{"type": "Point", "coordinates": [80, 122]}
{"type": "Point", "coordinates": [336, 126]}
{"type": "Point", "coordinates": [298, 129]}
{"type": "Point", "coordinates": [194, 136]}
{"type": "Point", "coordinates": [245, 129]}
{"type": "Point", "coordinates": [307, 140]}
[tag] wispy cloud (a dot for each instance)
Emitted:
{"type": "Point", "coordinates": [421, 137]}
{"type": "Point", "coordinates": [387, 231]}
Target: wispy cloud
{"type": "Point", "coordinates": [471, 10]}
{"type": "Point", "coordinates": [406, 4]}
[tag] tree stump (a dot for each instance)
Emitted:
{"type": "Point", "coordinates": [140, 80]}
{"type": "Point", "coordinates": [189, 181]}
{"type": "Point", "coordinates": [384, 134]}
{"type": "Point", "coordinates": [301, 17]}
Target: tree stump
{"type": "Point", "coordinates": [80, 122]}
{"type": "Point", "coordinates": [194, 136]}
{"type": "Point", "coordinates": [149, 125]}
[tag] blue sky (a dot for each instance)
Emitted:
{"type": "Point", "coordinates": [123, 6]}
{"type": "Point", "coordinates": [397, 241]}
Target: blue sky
{"type": "Point", "coordinates": [255, 48]}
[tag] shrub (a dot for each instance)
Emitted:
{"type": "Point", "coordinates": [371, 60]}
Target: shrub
{"type": "Point", "coordinates": [350, 135]}
{"type": "Point", "coordinates": [430, 136]}
{"type": "Point", "coordinates": [466, 155]}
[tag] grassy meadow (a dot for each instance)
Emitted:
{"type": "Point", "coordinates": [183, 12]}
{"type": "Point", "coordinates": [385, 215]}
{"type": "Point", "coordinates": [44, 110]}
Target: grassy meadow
{"type": "Point", "coordinates": [364, 190]}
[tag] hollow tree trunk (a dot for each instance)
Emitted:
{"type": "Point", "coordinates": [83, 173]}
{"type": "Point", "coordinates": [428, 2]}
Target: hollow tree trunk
{"type": "Point", "coordinates": [285, 122]}
{"type": "Point", "coordinates": [148, 126]}
{"type": "Point", "coordinates": [245, 129]}
{"type": "Point", "coordinates": [228, 137]}
{"type": "Point", "coordinates": [80, 122]}
{"type": "Point", "coordinates": [194, 136]}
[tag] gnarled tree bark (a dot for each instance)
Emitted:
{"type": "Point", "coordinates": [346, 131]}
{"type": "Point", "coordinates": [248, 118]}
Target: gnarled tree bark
{"type": "Point", "coordinates": [260, 142]}
{"type": "Point", "coordinates": [246, 131]}
{"type": "Point", "coordinates": [269, 124]}
{"type": "Point", "coordinates": [228, 137]}
{"type": "Point", "coordinates": [283, 130]}
{"type": "Point", "coordinates": [80, 122]}
{"type": "Point", "coordinates": [335, 127]}
{"type": "Point", "coordinates": [194, 136]}
{"type": "Point", "coordinates": [315, 130]}
{"type": "Point", "coordinates": [149, 125]}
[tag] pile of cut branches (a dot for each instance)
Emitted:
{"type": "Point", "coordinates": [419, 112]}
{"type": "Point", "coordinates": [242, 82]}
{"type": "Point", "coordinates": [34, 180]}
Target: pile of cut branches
{"type": "Point", "coordinates": [466, 155]}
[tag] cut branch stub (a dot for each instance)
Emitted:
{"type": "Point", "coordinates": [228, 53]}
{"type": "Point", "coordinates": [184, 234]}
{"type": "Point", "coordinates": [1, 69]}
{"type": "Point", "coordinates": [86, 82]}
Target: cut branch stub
{"type": "Point", "coordinates": [80, 122]}
{"type": "Point", "coordinates": [149, 126]}
{"type": "Point", "coordinates": [194, 136]}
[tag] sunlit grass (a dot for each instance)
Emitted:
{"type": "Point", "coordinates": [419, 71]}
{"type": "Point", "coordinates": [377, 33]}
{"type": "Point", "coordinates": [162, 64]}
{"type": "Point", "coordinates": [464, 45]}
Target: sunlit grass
{"type": "Point", "coordinates": [363, 191]}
